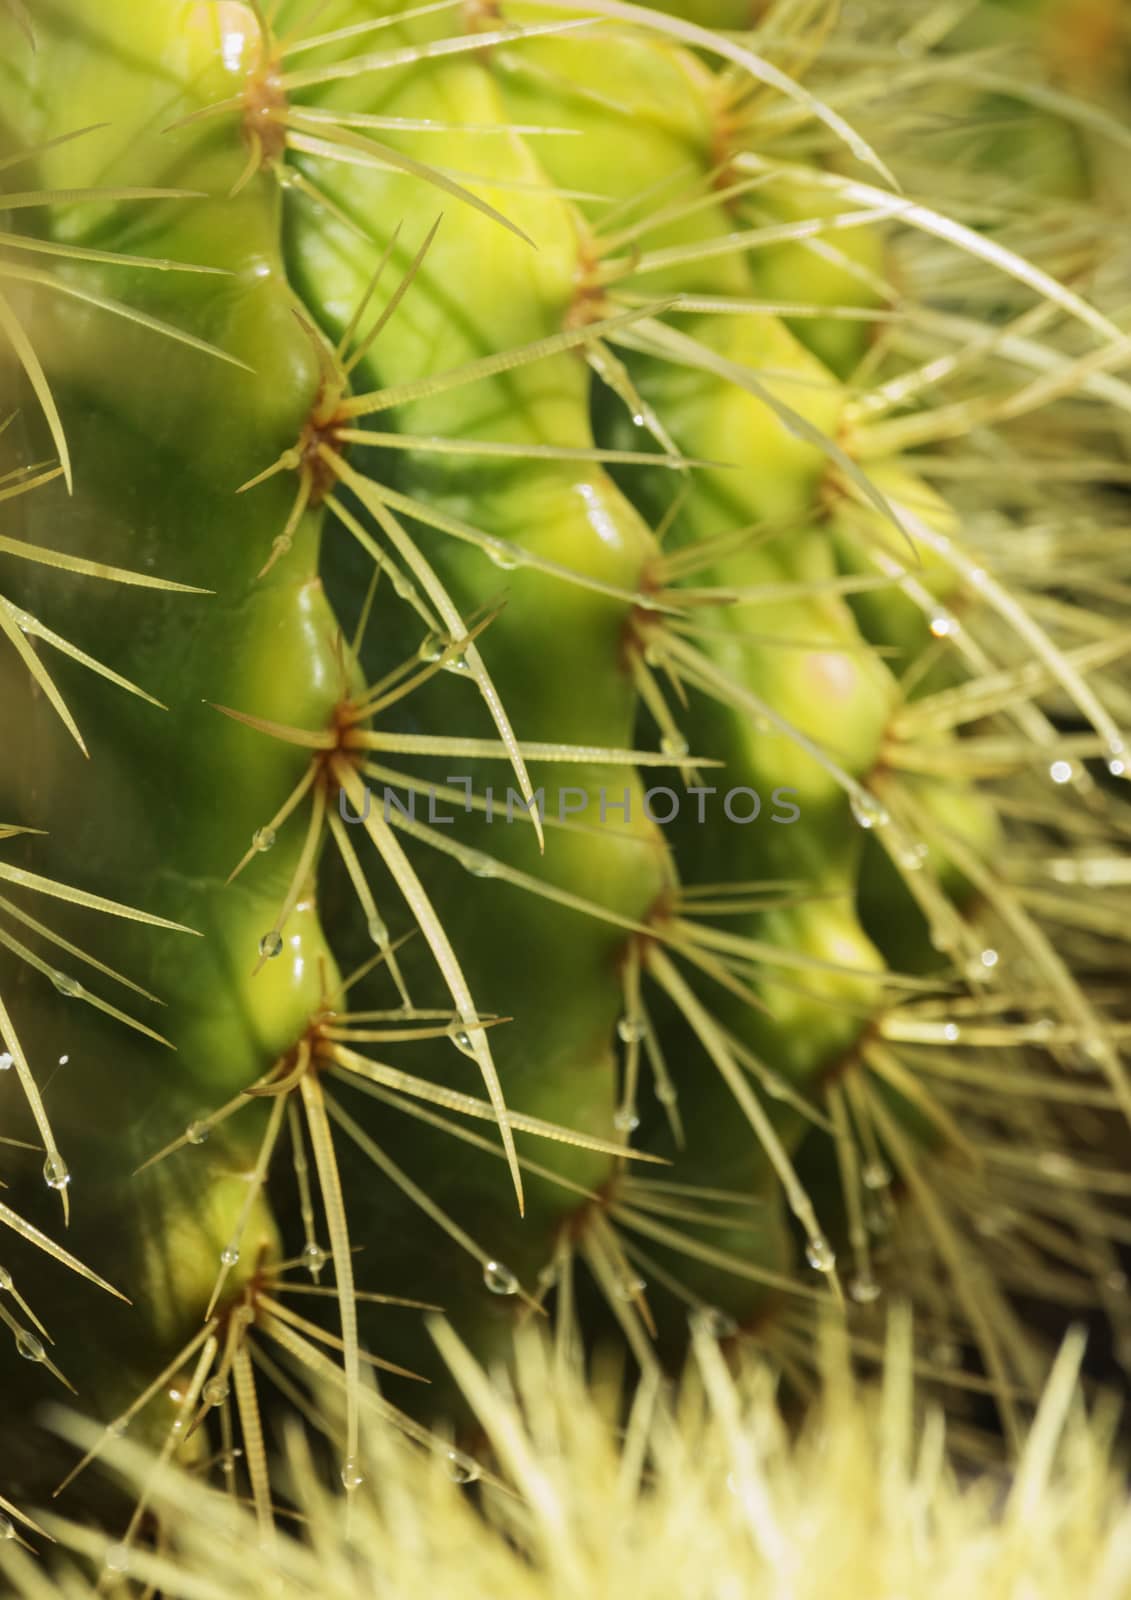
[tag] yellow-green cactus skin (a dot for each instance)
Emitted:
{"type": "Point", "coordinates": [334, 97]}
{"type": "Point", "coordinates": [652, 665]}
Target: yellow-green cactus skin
{"type": "Point", "coordinates": [542, 776]}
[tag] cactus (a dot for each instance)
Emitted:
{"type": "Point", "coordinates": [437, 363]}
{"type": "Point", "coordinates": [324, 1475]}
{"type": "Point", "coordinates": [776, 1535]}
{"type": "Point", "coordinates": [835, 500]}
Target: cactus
{"type": "Point", "coordinates": [718, 1487]}
{"type": "Point", "coordinates": [599, 787]}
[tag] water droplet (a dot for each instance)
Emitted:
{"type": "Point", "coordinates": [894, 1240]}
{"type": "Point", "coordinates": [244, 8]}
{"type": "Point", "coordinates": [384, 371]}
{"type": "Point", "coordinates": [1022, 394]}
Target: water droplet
{"type": "Point", "coordinates": [215, 1392]}
{"type": "Point", "coordinates": [197, 1131]}
{"type": "Point", "coordinates": [1092, 1052]}
{"type": "Point", "coordinates": [229, 1255]}
{"type": "Point", "coordinates": [378, 932]}
{"type": "Point", "coordinates": [7, 1527]}
{"type": "Point", "coordinates": [314, 1258]}
{"type": "Point", "coordinates": [626, 1120]}
{"type": "Point", "coordinates": [479, 865]}
{"type": "Point", "coordinates": [66, 985]}
{"type": "Point", "coordinates": [504, 556]}
{"type": "Point", "coordinates": [5, 1060]}
{"type": "Point", "coordinates": [402, 588]}
{"type": "Point", "coordinates": [117, 1558]}
{"type": "Point", "coordinates": [911, 854]}
{"type": "Point", "coordinates": [1054, 1165]}
{"type": "Point", "coordinates": [638, 419]}
{"type": "Point", "coordinates": [674, 745]}
{"type": "Point", "coordinates": [55, 1173]}
{"type": "Point", "coordinates": [1117, 758]}
{"type": "Point", "coordinates": [717, 1324]}
{"type": "Point", "coordinates": [819, 1253]}
{"type": "Point", "coordinates": [951, 1032]}
{"type": "Point", "coordinates": [667, 1094]}
{"type": "Point", "coordinates": [864, 1289]}
{"type": "Point", "coordinates": [992, 1224]}
{"type": "Point", "coordinates": [28, 1346]}
{"type": "Point", "coordinates": [5, 1279]}
{"type": "Point", "coordinates": [876, 1175]}
{"type": "Point", "coordinates": [1116, 1282]}
{"type": "Point", "coordinates": [867, 810]}
{"type": "Point", "coordinates": [775, 1086]}
{"type": "Point", "coordinates": [944, 625]}
{"type": "Point", "coordinates": [631, 1287]}
{"type": "Point", "coordinates": [499, 1279]}
{"type": "Point", "coordinates": [458, 664]}
{"type": "Point", "coordinates": [462, 1040]}
{"type": "Point", "coordinates": [1062, 772]}
{"type": "Point", "coordinates": [461, 1468]}
{"type": "Point", "coordinates": [263, 838]}
{"type": "Point", "coordinates": [431, 647]}
{"type": "Point", "coordinates": [271, 944]}
{"type": "Point", "coordinates": [258, 266]}
{"type": "Point", "coordinates": [981, 965]}
{"type": "Point", "coordinates": [630, 1030]}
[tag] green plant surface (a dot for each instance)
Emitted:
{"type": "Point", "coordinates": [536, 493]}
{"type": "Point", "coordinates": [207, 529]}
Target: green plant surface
{"type": "Point", "coordinates": [537, 413]}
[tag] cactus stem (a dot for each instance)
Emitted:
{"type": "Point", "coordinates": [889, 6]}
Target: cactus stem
{"type": "Point", "coordinates": [634, 1220]}
{"type": "Point", "coordinates": [351, 1066]}
{"type": "Point", "coordinates": [11, 328]}
{"type": "Point", "coordinates": [55, 1168]}
{"type": "Point", "coordinates": [364, 345]}
{"type": "Point", "coordinates": [699, 671]}
{"type": "Point", "coordinates": [714, 1042]}
{"type": "Point", "coordinates": [411, 1107]}
{"type": "Point", "coordinates": [405, 877]}
{"type": "Point", "coordinates": [430, 583]}
{"type": "Point", "coordinates": [922, 217]}
{"type": "Point", "coordinates": [498, 1278]}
